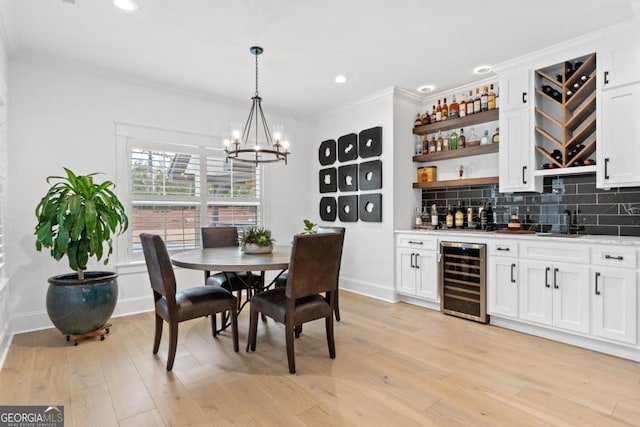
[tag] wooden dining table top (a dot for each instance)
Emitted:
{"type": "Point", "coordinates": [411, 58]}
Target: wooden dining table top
{"type": "Point", "coordinates": [232, 259]}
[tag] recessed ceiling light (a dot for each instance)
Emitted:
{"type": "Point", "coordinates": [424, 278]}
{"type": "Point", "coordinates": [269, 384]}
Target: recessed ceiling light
{"type": "Point", "coordinates": [483, 69]}
{"type": "Point", "coordinates": [341, 79]}
{"type": "Point", "coordinates": [128, 5]}
{"type": "Point", "coordinates": [426, 88]}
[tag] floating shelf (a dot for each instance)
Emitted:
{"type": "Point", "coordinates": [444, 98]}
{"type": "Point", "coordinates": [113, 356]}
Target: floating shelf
{"type": "Point", "coordinates": [457, 182]}
{"type": "Point", "coordinates": [453, 154]}
{"type": "Point", "coordinates": [466, 121]}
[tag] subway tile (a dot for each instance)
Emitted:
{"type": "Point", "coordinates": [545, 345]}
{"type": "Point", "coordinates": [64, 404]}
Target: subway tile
{"type": "Point", "coordinates": [617, 197]}
{"type": "Point", "coordinates": [470, 194]}
{"type": "Point", "coordinates": [629, 231]}
{"type": "Point", "coordinates": [619, 219]}
{"type": "Point", "coordinates": [608, 230]}
{"type": "Point", "coordinates": [586, 208]}
{"type": "Point", "coordinates": [578, 198]}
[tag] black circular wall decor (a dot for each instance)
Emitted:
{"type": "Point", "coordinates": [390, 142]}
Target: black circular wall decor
{"type": "Point", "coordinates": [327, 152]}
{"type": "Point", "coordinates": [370, 142]}
{"type": "Point", "coordinates": [328, 209]}
{"type": "Point", "coordinates": [348, 147]}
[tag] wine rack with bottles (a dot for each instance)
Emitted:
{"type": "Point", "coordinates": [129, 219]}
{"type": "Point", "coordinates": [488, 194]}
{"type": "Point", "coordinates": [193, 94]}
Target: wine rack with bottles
{"type": "Point", "coordinates": [565, 114]}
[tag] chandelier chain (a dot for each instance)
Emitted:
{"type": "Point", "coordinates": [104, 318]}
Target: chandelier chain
{"type": "Point", "coordinates": [257, 75]}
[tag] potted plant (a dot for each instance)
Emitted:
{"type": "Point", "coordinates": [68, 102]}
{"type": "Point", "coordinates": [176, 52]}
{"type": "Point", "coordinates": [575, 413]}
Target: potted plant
{"type": "Point", "coordinates": [256, 240]}
{"type": "Point", "coordinates": [309, 227]}
{"type": "Point", "coordinates": [76, 218]}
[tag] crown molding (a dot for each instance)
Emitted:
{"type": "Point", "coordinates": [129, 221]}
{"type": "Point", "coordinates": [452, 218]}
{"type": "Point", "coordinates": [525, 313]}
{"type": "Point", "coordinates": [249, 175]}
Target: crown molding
{"type": "Point", "coordinates": [354, 104]}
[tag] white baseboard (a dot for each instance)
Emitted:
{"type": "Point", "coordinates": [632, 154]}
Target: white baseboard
{"type": "Point", "coordinates": [372, 290]}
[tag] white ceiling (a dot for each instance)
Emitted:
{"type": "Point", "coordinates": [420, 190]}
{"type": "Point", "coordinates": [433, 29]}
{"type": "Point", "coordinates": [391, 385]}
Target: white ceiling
{"type": "Point", "coordinates": [203, 45]}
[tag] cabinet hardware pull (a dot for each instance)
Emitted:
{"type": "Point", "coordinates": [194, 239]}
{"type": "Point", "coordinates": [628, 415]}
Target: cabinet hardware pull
{"type": "Point", "coordinates": [524, 168]}
{"type": "Point", "coordinates": [412, 265]}
{"type": "Point", "coordinates": [416, 243]}
{"type": "Point", "coordinates": [512, 279]}
{"type": "Point", "coordinates": [555, 278]}
{"type": "Point", "coordinates": [606, 168]}
{"type": "Point", "coordinates": [546, 277]}
{"type": "Point", "coordinates": [502, 249]}
{"type": "Point", "coordinates": [417, 259]}
{"type": "Point", "coordinates": [524, 97]}
{"type": "Point", "coordinates": [606, 77]}
{"type": "Point", "coordinates": [597, 291]}
{"type": "Point", "coordinates": [618, 258]}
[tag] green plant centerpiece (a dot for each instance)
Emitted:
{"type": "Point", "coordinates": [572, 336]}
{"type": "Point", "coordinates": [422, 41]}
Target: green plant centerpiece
{"type": "Point", "coordinates": [309, 227]}
{"type": "Point", "coordinates": [256, 240]}
{"type": "Point", "coordinates": [76, 218]}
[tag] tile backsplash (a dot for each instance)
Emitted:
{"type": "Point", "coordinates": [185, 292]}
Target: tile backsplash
{"type": "Point", "coordinates": [613, 212]}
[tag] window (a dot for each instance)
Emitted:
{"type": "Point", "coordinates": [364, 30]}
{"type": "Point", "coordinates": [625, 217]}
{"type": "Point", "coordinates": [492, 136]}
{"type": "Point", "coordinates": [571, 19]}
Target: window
{"type": "Point", "coordinates": [174, 189]}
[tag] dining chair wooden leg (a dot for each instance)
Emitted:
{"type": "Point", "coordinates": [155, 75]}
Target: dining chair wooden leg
{"type": "Point", "coordinates": [291, 357]}
{"type": "Point", "coordinates": [297, 330]}
{"type": "Point", "coordinates": [158, 335]}
{"type": "Point", "coordinates": [337, 309]}
{"type": "Point", "coordinates": [173, 344]}
{"type": "Point", "coordinates": [234, 329]}
{"type": "Point", "coordinates": [330, 341]}
{"type": "Point", "coordinates": [214, 330]}
{"type": "Point", "coordinates": [253, 330]}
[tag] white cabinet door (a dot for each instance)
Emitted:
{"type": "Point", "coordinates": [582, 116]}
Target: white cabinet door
{"type": "Point", "coordinates": [516, 153]}
{"type": "Point", "coordinates": [427, 275]}
{"type": "Point", "coordinates": [405, 261]}
{"type": "Point", "coordinates": [570, 297]}
{"type": "Point", "coordinates": [620, 65]}
{"type": "Point", "coordinates": [503, 287]}
{"type": "Point", "coordinates": [535, 296]}
{"type": "Point", "coordinates": [619, 147]}
{"type": "Point", "coordinates": [614, 310]}
{"type": "Point", "coordinates": [514, 90]}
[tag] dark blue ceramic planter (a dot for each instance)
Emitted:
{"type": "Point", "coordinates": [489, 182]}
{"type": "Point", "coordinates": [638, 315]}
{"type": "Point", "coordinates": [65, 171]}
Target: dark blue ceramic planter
{"type": "Point", "coordinates": [79, 306]}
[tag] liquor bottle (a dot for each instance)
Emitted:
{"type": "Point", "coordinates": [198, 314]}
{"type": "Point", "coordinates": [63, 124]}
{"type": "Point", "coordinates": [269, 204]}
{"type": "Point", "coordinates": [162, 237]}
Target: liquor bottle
{"type": "Point", "coordinates": [418, 146]}
{"type": "Point", "coordinates": [438, 112]}
{"type": "Point", "coordinates": [473, 138]}
{"type": "Point", "coordinates": [445, 142]}
{"type": "Point", "coordinates": [483, 216]}
{"type": "Point", "coordinates": [433, 115]}
{"type": "Point", "coordinates": [434, 215]}
{"type": "Point", "coordinates": [449, 217]}
{"type": "Point", "coordinates": [492, 98]}
{"type": "Point", "coordinates": [425, 144]}
{"type": "Point", "coordinates": [459, 217]}
{"type": "Point", "coordinates": [425, 216]}
{"type": "Point", "coordinates": [462, 139]}
{"type": "Point", "coordinates": [490, 221]}
{"type": "Point", "coordinates": [453, 140]}
{"type": "Point", "coordinates": [426, 118]}
{"type": "Point", "coordinates": [469, 216]}
{"type": "Point", "coordinates": [454, 109]}
{"type": "Point", "coordinates": [433, 144]}
{"type": "Point", "coordinates": [439, 142]}
{"type": "Point", "coordinates": [485, 138]}
{"type": "Point", "coordinates": [417, 121]}
{"type": "Point", "coordinates": [470, 109]}
{"type": "Point", "coordinates": [477, 103]}
{"type": "Point", "coordinates": [463, 106]}
{"type": "Point", "coordinates": [418, 217]}
{"type": "Point", "coordinates": [445, 109]}
{"type": "Point", "coordinates": [484, 99]}
{"type": "Point", "coordinates": [496, 136]}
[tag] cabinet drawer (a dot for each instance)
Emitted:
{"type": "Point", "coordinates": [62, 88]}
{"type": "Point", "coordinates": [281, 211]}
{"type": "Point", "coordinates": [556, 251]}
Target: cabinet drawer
{"type": "Point", "coordinates": [614, 256]}
{"type": "Point", "coordinates": [506, 249]}
{"type": "Point", "coordinates": [556, 252]}
{"type": "Point", "coordinates": [417, 241]}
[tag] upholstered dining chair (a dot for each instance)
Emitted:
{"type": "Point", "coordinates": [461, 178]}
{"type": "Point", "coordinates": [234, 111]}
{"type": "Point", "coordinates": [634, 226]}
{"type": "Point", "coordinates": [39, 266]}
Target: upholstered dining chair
{"type": "Point", "coordinates": [313, 268]}
{"type": "Point", "coordinates": [174, 306]}
{"type": "Point", "coordinates": [282, 280]}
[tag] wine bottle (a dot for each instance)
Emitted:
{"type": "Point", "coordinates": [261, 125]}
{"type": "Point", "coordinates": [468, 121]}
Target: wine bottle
{"type": "Point", "coordinates": [449, 217]}
{"type": "Point", "coordinates": [434, 215]}
{"type": "Point", "coordinates": [459, 217]}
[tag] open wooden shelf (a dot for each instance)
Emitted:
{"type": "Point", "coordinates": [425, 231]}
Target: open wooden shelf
{"type": "Point", "coordinates": [457, 182]}
{"type": "Point", "coordinates": [461, 152]}
{"type": "Point", "coordinates": [466, 121]}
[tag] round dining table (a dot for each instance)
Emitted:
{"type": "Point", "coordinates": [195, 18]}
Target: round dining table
{"type": "Point", "coordinates": [232, 259]}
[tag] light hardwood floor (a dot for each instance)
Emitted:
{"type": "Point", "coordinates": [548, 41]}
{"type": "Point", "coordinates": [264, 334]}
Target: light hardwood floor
{"type": "Point", "coordinates": [396, 365]}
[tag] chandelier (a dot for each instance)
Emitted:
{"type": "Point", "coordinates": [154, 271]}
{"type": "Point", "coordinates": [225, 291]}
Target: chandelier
{"type": "Point", "coordinates": [239, 147]}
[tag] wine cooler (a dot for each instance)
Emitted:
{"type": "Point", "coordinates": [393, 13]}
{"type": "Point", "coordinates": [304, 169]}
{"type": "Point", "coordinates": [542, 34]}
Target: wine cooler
{"type": "Point", "coordinates": [463, 280]}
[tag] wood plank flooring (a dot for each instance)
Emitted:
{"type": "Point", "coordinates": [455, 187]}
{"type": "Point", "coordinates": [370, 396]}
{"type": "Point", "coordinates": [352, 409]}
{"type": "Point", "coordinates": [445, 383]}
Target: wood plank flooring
{"type": "Point", "coordinates": [396, 365]}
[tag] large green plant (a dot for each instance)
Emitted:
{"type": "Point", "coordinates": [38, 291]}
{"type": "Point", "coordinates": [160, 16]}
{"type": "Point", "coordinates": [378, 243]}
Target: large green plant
{"type": "Point", "coordinates": [76, 217]}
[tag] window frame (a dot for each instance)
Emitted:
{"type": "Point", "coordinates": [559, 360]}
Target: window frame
{"type": "Point", "coordinates": [130, 136]}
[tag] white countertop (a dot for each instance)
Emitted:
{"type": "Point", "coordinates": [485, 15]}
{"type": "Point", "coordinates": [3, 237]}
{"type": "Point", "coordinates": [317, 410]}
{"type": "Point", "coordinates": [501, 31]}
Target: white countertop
{"type": "Point", "coordinates": [582, 238]}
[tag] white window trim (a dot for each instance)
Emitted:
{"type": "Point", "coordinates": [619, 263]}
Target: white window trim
{"type": "Point", "coordinates": [152, 137]}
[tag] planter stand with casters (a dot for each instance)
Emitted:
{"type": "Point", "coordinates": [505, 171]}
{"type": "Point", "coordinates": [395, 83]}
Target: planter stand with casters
{"type": "Point", "coordinates": [102, 331]}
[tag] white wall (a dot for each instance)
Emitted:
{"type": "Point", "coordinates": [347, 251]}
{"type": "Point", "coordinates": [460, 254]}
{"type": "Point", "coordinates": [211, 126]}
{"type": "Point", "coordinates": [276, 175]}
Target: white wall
{"type": "Point", "coordinates": [5, 331]}
{"type": "Point", "coordinates": [367, 263]}
{"type": "Point", "coordinates": [65, 117]}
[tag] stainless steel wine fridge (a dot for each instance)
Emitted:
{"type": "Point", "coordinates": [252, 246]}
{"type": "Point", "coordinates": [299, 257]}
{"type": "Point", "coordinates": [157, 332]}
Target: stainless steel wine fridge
{"type": "Point", "coordinates": [463, 280]}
